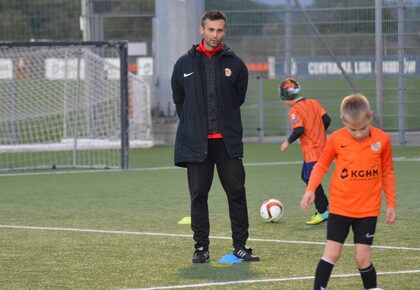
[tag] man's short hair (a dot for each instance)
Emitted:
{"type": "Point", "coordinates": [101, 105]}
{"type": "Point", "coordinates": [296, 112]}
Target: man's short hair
{"type": "Point", "coordinates": [213, 15]}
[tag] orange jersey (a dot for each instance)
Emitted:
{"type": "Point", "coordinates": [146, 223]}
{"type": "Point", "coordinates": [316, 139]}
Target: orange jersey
{"type": "Point", "coordinates": [362, 170]}
{"type": "Point", "coordinates": [308, 114]}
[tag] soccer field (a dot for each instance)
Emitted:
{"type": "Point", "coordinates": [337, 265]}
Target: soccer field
{"type": "Point", "coordinates": [119, 229]}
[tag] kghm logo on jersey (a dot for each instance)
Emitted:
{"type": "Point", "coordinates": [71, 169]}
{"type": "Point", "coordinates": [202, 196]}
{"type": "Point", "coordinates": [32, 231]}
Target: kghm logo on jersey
{"type": "Point", "coordinates": [344, 173]}
{"type": "Point", "coordinates": [364, 173]}
{"type": "Point", "coordinates": [376, 146]}
{"type": "Point", "coordinates": [359, 174]}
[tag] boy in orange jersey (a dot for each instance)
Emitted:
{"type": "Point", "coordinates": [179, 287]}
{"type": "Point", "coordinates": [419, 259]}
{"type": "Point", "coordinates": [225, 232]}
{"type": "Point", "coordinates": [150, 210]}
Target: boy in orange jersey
{"type": "Point", "coordinates": [309, 122]}
{"type": "Point", "coordinates": [363, 168]}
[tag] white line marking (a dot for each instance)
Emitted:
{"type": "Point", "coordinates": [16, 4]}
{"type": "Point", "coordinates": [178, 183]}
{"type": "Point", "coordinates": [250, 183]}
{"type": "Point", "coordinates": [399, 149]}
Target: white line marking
{"type": "Point", "coordinates": [406, 158]}
{"type": "Point", "coordinates": [90, 171]}
{"type": "Point", "coordinates": [272, 163]}
{"type": "Point", "coordinates": [187, 236]}
{"type": "Point", "coordinates": [168, 168]}
{"type": "Point", "coordinates": [137, 169]}
{"type": "Point", "coordinates": [271, 280]}
{"type": "Point", "coordinates": [94, 231]}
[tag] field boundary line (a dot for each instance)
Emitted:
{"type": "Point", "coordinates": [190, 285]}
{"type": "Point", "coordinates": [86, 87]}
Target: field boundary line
{"type": "Point", "coordinates": [269, 280]}
{"type": "Point", "coordinates": [158, 168]}
{"type": "Point", "coordinates": [187, 236]}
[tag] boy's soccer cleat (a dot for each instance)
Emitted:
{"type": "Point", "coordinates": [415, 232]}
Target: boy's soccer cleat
{"type": "Point", "coordinates": [245, 254]}
{"type": "Point", "coordinates": [316, 219]}
{"type": "Point", "coordinates": [201, 255]}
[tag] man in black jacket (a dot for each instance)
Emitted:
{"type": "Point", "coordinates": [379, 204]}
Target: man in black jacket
{"type": "Point", "coordinates": [209, 84]}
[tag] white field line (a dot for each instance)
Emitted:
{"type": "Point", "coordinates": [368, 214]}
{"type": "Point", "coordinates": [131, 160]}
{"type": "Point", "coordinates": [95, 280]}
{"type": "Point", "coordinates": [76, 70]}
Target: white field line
{"type": "Point", "coordinates": [271, 280]}
{"type": "Point", "coordinates": [137, 169]}
{"type": "Point", "coordinates": [188, 236]}
{"type": "Point", "coordinates": [397, 159]}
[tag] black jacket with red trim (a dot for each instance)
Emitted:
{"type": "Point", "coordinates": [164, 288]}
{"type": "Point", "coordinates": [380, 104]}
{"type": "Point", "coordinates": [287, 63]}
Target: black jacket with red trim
{"type": "Point", "coordinates": [190, 97]}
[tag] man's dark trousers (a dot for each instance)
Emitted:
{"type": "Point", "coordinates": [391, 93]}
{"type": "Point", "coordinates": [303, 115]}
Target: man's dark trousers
{"type": "Point", "coordinates": [232, 177]}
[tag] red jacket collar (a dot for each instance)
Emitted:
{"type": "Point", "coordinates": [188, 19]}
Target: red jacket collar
{"type": "Point", "coordinates": [209, 53]}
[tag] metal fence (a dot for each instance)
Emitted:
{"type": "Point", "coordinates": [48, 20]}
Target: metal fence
{"type": "Point", "coordinates": [331, 46]}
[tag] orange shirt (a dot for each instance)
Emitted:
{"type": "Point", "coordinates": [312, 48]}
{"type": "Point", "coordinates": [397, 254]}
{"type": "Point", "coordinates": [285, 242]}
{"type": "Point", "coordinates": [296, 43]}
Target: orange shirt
{"type": "Point", "coordinates": [308, 114]}
{"type": "Point", "coordinates": [362, 170]}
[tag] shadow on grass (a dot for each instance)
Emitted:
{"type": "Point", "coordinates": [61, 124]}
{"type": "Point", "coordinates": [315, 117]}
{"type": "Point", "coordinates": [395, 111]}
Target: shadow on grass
{"type": "Point", "coordinates": [214, 271]}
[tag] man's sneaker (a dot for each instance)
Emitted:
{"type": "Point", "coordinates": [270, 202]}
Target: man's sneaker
{"type": "Point", "coordinates": [245, 254]}
{"type": "Point", "coordinates": [201, 255]}
{"type": "Point", "coordinates": [317, 219]}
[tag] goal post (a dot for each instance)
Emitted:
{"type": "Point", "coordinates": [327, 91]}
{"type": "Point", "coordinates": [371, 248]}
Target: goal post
{"type": "Point", "coordinates": [70, 105]}
{"type": "Point", "coordinates": [124, 105]}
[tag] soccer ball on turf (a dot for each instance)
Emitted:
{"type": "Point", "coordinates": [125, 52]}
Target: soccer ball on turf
{"type": "Point", "coordinates": [272, 210]}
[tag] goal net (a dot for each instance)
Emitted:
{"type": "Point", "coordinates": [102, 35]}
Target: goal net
{"type": "Point", "coordinates": [70, 105]}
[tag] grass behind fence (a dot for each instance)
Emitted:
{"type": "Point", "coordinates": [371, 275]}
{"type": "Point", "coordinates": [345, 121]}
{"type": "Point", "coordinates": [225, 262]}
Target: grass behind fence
{"type": "Point", "coordinates": [152, 198]}
{"type": "Point", "coordinates": [330, 92]}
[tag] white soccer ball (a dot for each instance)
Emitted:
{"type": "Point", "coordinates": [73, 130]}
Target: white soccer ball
{"type": "Point", "coordinates": [272, 210]}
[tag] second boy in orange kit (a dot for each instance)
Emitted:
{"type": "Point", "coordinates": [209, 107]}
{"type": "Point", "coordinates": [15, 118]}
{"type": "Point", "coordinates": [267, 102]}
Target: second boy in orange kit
{"type": "Point", "coordinates": [309, 122]}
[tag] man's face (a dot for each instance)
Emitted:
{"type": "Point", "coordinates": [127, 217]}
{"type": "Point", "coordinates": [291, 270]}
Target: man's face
{"type": "Point", "coordinates": [213, 33]}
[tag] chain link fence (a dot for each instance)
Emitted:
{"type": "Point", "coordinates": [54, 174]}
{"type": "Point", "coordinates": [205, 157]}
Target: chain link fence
{"type": "Point", "coordinates": [330, 46]}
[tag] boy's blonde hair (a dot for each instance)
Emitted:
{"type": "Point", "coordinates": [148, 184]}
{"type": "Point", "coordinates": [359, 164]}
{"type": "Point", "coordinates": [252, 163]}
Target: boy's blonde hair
{"type": "Point", "coordinates": [355, 108]}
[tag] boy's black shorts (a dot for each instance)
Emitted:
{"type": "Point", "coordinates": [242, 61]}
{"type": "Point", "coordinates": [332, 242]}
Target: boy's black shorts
{"type": "Point", "coordinates": [338, 228]}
